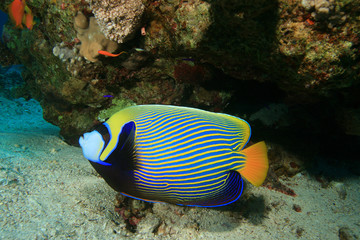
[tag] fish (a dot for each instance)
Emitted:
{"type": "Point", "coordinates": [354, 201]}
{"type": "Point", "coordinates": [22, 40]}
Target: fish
{"type": "Point", "coordinates": [106, 53]}
{"type": "Point", "coordinates": [139, 50]}
{"type": "Point", "coordinates": [179, 155]}
{"type": "Point", "coordinates": [28, 18]}
{"type": "Point", "coordinates": [29, 21]}
{"type": "Point", "coordinates": [16, 12]}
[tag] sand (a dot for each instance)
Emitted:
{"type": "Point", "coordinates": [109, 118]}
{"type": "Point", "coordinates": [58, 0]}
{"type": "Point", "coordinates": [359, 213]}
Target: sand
{"type": "Point", "coordinates": [48, 190]}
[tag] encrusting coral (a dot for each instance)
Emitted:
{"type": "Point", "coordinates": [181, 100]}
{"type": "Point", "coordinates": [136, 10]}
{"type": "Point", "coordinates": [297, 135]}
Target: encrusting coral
{"type": "Point", "coordinates": [118, 20]}
{"type": "Point", "coordinates": [65, 53]}
{"type": "Point", "coordinates": [92, 39]}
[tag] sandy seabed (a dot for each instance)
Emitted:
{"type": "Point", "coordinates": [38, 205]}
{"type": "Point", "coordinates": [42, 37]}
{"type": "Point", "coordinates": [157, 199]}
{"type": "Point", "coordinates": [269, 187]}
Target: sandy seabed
{"type": "Point", "coordinates": [48, 190]}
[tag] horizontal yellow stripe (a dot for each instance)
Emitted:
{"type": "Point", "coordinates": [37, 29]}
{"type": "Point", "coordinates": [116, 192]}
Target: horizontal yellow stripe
{"type": "Point", "coordinates": [151, 159]}
{"type": "Point", "coordinates": [181, 186]}
{"type": "Point", "coordinates": [158, 131]}
{"type": "Point", "coordinates": [193, 194]}
{"type": "Point", "coordinates": [186, 138]}
{"type": "Point", "coordinates": [145, 137]}
{"type": "Point", "coordinates": [212, 192]}
{"type": "Point", "coordinates": [166, 184]}
{"type": "Point", "coordinates": [171, 173]}
{"type": "Point", "coordinates": [170, 119]}
{"type": "Point", "coordinates": [163, 121]}
{"type": "Point", "coordinates": [173, 192]}
{"type": "Point", "coordinates": [148, 165]}
{"type": "Point", "coordinates": [144, 150]}
{"type": "Point", "coordinates": [189, 190]}
{"type": "Point", "coordinates": [155, 125]}
{"type": "Point", "coordinates": [162, 179]}
{"type": "Point", "coordinates": [227, 157]}
{"type": "Point", "coordinates": [181, 119]}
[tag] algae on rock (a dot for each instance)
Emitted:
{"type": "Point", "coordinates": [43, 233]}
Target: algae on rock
{"type": "Point", "coordinates": [116, 105]}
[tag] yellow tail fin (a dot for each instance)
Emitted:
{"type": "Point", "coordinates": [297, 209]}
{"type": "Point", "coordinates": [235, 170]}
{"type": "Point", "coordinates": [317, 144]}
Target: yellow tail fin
{"type": "Point", "coordinates": [256, 165]}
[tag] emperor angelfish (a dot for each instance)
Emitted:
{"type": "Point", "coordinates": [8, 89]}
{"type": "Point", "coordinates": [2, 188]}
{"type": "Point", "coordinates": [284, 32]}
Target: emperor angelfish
{"type": "Point", "coordinates": [180, 155]}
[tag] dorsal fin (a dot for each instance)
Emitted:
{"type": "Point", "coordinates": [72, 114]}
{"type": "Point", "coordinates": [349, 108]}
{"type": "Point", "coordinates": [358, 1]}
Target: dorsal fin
{"type": "Point", "coordinates": [124, 155]}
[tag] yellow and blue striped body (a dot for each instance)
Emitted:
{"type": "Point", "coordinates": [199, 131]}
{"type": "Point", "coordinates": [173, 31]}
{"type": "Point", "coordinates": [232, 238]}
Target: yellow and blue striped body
{"type": "Point", "coordinates": [181, 155]}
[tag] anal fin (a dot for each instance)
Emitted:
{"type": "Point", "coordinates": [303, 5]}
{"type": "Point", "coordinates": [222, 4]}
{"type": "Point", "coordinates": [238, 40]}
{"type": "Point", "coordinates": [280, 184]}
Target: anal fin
{"type": "Point", "coordinates": [228, 193]}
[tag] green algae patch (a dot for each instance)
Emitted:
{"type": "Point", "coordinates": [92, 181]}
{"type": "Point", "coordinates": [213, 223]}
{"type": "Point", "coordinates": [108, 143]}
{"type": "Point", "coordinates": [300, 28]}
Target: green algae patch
{"type": "Point", "coordinates": [117, 105]}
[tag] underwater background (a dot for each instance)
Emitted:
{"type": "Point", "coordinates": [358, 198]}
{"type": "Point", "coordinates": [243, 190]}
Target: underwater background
{"type": "Point", "coordinates": [290, 68]}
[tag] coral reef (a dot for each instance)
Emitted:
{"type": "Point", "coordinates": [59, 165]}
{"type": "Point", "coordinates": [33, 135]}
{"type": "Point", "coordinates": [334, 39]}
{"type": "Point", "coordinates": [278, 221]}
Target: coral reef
{"type": "Point", "coordinates": [289, 68]}
{"type": "Point", "coordinates": [131, 210]}
{"type": "Point", "coordinates": [116, 105]}
{"type": "Point", "coordinates": [65, 53]}
{"type": "Point", "coordinates": [190, 23]}
{"type": "Point", "coordinates": [92, 39]}
{"type": "Point", "coordinates": [118, 20]}
{"type": "Point", "coordinates": [326, 12]}
{"type": "Point", "coordinates": [283, 162]}
{"type": "Point", "coordinates": [296, 59]}
{"type": "Point", "coordinates": [177, 25]}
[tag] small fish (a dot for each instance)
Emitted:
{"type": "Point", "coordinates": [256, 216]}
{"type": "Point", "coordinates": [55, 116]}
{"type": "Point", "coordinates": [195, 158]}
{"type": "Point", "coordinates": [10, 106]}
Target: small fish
{"type": "Point", "coordinates": [143, 31]}
{"type": "Point", "coordinates": [106, 53]}
{"type": "Point", "coordinates": [16, 12]}
{"type": "Point", "coordinates": [139, 50]}
{"type": "Point", "coordinates": [310, 22]}
{"type": "Point", "coordinates": [179, 155]}
{"type": "Point", "coordinates": [28, 18]}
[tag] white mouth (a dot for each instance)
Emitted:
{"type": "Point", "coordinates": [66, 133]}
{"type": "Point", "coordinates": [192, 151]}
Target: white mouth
{"type": "Point", "coordinates": [92, 145]}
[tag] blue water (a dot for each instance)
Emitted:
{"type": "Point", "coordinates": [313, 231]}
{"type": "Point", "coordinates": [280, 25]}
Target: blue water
{"type": "Point", "coordinates": [10, 78]}
{"type": "Point", "coordinates": [3, 19]}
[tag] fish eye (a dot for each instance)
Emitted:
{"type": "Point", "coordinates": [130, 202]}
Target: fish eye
{"type": "Point", "coordinates": [104, 131]}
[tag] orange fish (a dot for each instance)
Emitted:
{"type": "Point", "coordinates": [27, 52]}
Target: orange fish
{"type": "Point", "coordinates": [16, 12]}
{"type": "Point", "coordinates": [106, 53]}
{"type": "Point", "coordinates": [28, 19]}
{"type": "Point", "coordinates": [310, 22]}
